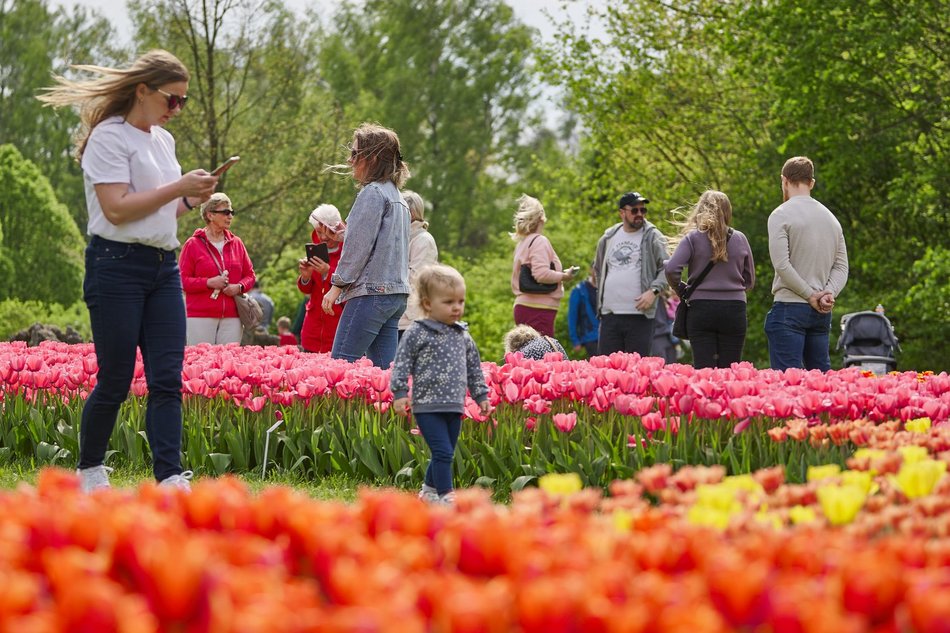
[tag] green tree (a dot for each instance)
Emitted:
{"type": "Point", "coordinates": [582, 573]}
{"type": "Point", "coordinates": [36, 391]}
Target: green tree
{"type": "Point", "coordinates": [36, 227]}
{"type": "Point", "coordinates": [680, 97]}
{"type": "Point", "coordinates": [35, 42]}
{"type": "Point", "coordinates": [252, 94]}
{"type": "Point", "coordinates": [454, 79]}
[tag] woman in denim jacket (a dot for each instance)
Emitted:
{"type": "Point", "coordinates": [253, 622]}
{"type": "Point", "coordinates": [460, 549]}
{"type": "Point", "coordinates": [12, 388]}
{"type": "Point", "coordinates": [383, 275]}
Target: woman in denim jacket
{"type": "Point", "coordinates": [373, 274]}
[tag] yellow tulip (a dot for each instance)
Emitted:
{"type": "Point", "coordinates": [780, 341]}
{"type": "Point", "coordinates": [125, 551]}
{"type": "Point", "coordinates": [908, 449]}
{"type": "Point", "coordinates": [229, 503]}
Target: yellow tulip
{"type": "Point", "coordinates": [743, 482]}
{"type": "Point", "coordinates": [802, 514]}
{"type": "Point", "coordinates": [825, 471]}
{"type": "Point", "coordinates": [870, 453]}
{"type": "Point", "coordinates": [917, 479]}
{"type": "Point", "coordinates": [561, 483]}
{"type": "Point", "coordinates": [718, 497]}
{"type": "Point", "coordinates": [770, 519]}
{"type": "Point", "coordinates": [860, 478]}
{"type": "Point", "coordinates": [708, 516]}
{"type": "Point", "coordinates": [622, 520]}
{"type": "Point", "coordinates": [913, 454]}
{"type": "Point", "coordinates": [918, 425]}
{"type": "Point", "coordinates": [840, 504]}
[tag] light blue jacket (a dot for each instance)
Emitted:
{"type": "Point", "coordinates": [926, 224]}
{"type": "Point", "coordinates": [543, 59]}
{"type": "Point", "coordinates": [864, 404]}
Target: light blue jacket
{"type": "Point", "coordinates": [375, 257]}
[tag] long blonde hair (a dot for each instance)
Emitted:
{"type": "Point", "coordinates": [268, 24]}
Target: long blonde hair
{"type": "Point", "coordinates": [113, 93]}
{"type": "Point", "coordinates": [528, 217]}
{"type": "Point", "coordinates": [711, 215]}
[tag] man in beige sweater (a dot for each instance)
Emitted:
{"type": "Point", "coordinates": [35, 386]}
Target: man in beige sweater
{"type": "Point", "coordinates": [808, 252]}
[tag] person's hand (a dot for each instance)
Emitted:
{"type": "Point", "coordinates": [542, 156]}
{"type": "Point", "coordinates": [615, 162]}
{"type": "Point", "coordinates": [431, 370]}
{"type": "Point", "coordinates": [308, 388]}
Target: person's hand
{"type": "Point", "coordinates": [485, 407]}
{"type": "Point", "coordinates": [306, 270]}
{"type": "Point", "coordinates": [645, 301]}
{"type": "Point", "coordinates": [822, 301]}
{"type": "Point", "coordinates": [401, 406]}
{"type": "Point", "coordinates": [232, 290]}
{"type": "Point", "coordinates": [217, 283]}
{"type": "Point", "coordinates": [577, 348]}
{"type": "Point", "coordinates": [320, 266]}
{"type": "Point", "coordinates": [570, 272]}
{"type": "Point", "coordinates": [330, 298]}
{"type": "Point", "coordinates": [197, 184]}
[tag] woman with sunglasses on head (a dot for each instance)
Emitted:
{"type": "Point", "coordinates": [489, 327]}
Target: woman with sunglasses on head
{"type": "Point", "coordinates": [135, 192]}
{"type": "Point", "coordinates": [373, 274]}
{"type": "Point", "coordinates": [215, 267]}
{"type": "Point", "coordinates": [319, 327]}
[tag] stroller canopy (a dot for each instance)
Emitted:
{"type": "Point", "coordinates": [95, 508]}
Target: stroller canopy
{"type": "Point", "coordinates": [867, 333]}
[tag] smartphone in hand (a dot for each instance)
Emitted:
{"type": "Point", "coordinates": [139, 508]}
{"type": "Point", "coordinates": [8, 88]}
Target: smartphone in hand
{"type": "Point", "coordinates": [319, 251]}
{"type": "Point", "coordinates": [226, 165]}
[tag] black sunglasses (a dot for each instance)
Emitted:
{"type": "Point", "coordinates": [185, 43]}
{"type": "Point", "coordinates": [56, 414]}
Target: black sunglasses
{"type": "Point", "coordinates": [225, 211]}
{"type": "Point", "coordinates": [174, 101]}
{"type": "Point", "coordinates": [640, 210]}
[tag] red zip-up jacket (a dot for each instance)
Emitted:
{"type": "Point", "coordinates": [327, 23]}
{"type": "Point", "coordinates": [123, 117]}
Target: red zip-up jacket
{"type": "Point", "coordinates": [319, 328]}
{"type": "Point", "coordinates": [197, 264]}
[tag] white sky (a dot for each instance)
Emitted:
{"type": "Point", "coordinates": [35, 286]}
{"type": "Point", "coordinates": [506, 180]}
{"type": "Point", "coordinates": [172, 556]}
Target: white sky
{"type": "Point", "coordinates": [531, 12]}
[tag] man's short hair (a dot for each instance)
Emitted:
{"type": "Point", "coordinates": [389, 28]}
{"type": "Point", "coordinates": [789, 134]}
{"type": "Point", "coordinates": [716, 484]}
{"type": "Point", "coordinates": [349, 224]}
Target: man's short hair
{"type": "Point", "coordinates": [631, 198]}
{"type": "Point", "coordinates": [799, 169]}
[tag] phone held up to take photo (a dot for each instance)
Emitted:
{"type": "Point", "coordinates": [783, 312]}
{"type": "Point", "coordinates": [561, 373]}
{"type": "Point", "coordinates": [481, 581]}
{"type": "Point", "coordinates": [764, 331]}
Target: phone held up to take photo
{"type": "Point", "coordinates": [319, 251]}
{"type": "Point", "coordinates": [226, 165]}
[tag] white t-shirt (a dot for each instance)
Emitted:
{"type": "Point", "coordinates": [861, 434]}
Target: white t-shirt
{"type": "Point", "coordinates": [119, 152]}
{"type": "Point", "coordinates": [622, 284]}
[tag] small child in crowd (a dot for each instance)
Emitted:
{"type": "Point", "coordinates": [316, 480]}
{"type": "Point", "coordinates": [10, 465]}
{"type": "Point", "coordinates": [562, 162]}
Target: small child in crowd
{"type": "Point", "coordinates": [443, 360]}
{"type": "Point", "coordinates": [532, 344]}
{"type": "Point", "coordinates": [283, 329]}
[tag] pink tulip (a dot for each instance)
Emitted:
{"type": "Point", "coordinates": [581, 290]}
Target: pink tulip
{"type": "Point", "coordinates": [565, 422]}
{"type": "Point", "coordinates": [530, 424]}
{"type": "Point", "coordinates": [741, 426]}
{"type": "Point", "coordinates": [653, 422]}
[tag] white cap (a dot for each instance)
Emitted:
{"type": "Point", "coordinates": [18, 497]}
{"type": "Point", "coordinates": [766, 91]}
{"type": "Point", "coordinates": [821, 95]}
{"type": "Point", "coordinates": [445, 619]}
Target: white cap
{"type": "Point", "coordinates": [327, 215]}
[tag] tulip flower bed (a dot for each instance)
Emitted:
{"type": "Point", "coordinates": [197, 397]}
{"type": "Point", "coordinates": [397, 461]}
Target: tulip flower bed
{"type": "Point", "coordinates": [557, 559]}
{"type": "Point", "coordinates": [605, 419]}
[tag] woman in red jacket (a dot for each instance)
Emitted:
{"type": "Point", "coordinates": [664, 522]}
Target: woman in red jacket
{"type": "Point", "coordinates": [214, 268]}
{"type": "Point", "coordinates": [319, 328]}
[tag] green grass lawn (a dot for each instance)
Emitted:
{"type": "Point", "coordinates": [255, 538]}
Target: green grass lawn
{"type": "Point", "coordinates": [15, 472]}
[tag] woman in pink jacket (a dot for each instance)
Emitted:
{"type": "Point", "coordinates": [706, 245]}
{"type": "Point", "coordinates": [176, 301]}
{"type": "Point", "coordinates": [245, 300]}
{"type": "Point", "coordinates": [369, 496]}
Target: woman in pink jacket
{"type": "Point", "coordinates": [215, 268]}
{"type": "Point", "coordinates": [536, 309]}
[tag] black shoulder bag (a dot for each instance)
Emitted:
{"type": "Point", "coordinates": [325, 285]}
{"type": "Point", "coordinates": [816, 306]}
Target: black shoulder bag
{"type": "Point", "coordinates": [685, 291]}
{"type": "Point", "coordinates": [526, 281]}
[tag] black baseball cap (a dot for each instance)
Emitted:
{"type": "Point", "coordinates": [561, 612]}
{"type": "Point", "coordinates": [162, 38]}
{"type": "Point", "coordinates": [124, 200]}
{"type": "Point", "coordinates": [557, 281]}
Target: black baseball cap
{"type": "Point", "coordinates": [632, 198]}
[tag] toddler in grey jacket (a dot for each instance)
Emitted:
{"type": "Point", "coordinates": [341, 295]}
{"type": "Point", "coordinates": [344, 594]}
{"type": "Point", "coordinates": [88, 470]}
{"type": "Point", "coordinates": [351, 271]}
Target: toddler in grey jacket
{"type": "Point", "coordinates": [443, 361]}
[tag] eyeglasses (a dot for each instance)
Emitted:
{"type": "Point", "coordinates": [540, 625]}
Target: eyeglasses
{"type": "Point", "coordinates": [637, 210]}
{"type": "Point", "coordinates": [224, 211]}
{"type": "Point", "coordinates": [174, 101]}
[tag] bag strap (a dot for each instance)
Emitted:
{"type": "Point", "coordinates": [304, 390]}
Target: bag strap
{"type": "Point", "coordinates": [692, 285]}
{"type": "Point", "coordinates": [213, 258]}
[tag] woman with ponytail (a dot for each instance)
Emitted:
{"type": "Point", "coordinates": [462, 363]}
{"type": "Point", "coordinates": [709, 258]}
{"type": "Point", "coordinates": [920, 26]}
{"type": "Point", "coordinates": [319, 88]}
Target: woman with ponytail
{"type": "Point", "coordinates": [717, 308]}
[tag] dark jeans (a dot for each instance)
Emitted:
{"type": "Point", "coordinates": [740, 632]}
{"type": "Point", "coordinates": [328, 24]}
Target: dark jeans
{"type": "Point", "coordinates": [541, 319]}
{"type": "Point", "coordinates": [441, 432]}
{"type": "Point", "coordinates": [625, 333]}
{"type": "Point", "coordinates": [798, 336]}
{"type": "Point", "coordinates": [134, 297]}
{"type": "Point", "coordinates": [369, 327]}
{"type": "Point", "coordinates": [717, 331]}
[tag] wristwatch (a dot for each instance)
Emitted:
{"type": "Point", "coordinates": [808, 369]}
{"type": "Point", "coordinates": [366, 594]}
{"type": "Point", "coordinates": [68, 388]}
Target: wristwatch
{"type": "Point", "coordinates": [656, 291]}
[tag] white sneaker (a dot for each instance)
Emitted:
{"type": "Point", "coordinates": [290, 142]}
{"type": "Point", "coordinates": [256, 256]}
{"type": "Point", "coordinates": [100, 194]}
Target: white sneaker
{"type": "Point", "coordinates": [428, 492]}
{"type": "Point", "coordinates": [178, 481]}
{"type": "Point", "coordinates": [448, 499]}
{"type": "Point", "coordinates": [95, 478]}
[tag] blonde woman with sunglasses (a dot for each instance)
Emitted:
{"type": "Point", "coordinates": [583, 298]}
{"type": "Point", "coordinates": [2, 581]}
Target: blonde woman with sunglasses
{"type": "Point", "coordinates": [135, 192]}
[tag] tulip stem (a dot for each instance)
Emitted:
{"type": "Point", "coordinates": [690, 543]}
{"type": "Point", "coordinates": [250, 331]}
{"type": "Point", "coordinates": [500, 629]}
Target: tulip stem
{"type": "Point", "coordinates": [267, 445]}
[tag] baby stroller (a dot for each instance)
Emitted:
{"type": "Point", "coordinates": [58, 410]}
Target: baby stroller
{"type": "Point", "coordinates": [868, 341]}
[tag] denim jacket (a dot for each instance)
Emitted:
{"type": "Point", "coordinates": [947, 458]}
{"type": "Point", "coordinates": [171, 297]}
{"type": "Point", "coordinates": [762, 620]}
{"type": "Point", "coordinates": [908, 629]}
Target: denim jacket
{"type": "Point", "coordinates": [375, 257]}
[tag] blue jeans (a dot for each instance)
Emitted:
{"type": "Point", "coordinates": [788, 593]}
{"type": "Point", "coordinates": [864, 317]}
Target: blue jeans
{"type": "Point", "coordinates": [441, 433]}
{"type": "Point", "coordinates": [798, 336]}
{"type": "Point", "coordinates": [134, 297]}
{"type": "Point", "coordinates": [369, 327]}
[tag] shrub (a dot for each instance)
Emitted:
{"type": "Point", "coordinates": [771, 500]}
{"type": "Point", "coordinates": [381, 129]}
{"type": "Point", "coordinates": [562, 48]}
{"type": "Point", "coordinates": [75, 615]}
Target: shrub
{"type": "Point", "coordinates": [16, 315]}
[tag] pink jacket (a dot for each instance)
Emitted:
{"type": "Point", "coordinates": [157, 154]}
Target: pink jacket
{"type": "Point", "coordinates": [536, 250]}
{"type": "Point", "coordinates": [197, 266]}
